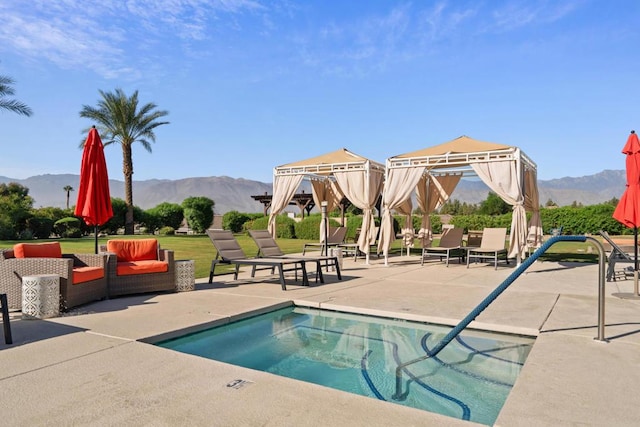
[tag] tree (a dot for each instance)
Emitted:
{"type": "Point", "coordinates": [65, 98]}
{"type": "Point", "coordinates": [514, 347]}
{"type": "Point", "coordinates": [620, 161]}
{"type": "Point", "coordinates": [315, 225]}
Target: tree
{"type": "Point", "coordinates": [494, 205]}
{"type": "Point", "coordinates": [15, 210]}
{"type": "Point", "coordinates": [11, 104]}
{"type": "Point", "coordinates": [199, 212]}
{"type": "Point", "coordinates": [68, 189]}
{"type": "Point", "coordinates": [164, 215]}
{"type": "Point", "coordinates": [121, 121]}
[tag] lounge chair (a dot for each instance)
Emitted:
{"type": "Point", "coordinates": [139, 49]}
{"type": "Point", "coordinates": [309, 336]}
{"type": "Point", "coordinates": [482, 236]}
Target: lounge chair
{"type": "Point", "coordinates": [491, 246]}
{"type": "Point", "coordinates": [352, 248]}
{"type": "Point", "coordinates": [228, 251]}
{"type": "Point", "coordinates": [335, 237]}
{"type": "Point", "coordinates": [617, 255]}
{"type": "Point", "coordinates": [268, 247]}
{"type": "Point", "coordinates": [474, 237]}
{"type": "Point", "coordinates": [450, 245]}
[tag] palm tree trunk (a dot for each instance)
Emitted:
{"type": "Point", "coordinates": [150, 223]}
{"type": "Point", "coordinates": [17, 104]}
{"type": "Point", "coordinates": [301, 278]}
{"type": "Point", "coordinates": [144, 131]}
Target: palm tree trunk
{"type": "Point", "coordinates": [127, 169]}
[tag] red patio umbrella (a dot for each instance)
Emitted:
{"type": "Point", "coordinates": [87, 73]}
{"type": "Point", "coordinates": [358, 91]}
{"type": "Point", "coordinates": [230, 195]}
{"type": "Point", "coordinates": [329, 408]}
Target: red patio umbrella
{"type": "Point", "coordinates": [628, 210]}
{"type": "Point", "coordinates": [94, 200]}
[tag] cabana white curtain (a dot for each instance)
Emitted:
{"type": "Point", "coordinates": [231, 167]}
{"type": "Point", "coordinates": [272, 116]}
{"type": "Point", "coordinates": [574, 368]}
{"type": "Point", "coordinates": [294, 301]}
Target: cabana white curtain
{"type": "Point", "coordinates": [532, 204]}
{"type": "Point", "coordinates": [399, 185]}
{"type": "Point", "coordinates": [505, 179]}
{"type": "Point", "coordinates": [284, 188]}
{"type": "Point", "coordinates": [325, 191]}
{"type": "Point", "coordinates": [433, 192]}
{"type": "Point", "coordinates": [407, 231]}
{"type": "Point", "coordinates": [362, 188]}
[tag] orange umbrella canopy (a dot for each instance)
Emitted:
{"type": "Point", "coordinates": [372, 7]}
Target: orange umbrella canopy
{"type": "Point", "coordinates": [94, 200]}
{"type": "Point", "coordinates": [628, 210]}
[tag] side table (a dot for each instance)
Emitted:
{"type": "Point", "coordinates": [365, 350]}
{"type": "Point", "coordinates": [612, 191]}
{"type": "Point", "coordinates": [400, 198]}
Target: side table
{"type": "Point", "coordinates": [185, 275]}
{"type": "Point", "coordinates": [40, 296]}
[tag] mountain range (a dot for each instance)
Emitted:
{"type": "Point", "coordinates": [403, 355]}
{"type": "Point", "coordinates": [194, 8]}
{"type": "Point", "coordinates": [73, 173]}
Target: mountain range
{"type": "Point", "coordinates": [235, 193]}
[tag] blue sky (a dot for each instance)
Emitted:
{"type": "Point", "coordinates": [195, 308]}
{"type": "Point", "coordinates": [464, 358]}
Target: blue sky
{"type": "Point", "coordinates": [253, 84]}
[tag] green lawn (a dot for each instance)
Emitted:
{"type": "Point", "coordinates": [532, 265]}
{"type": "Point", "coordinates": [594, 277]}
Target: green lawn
{"type": "Point", "coordinates": [195, 247]}
{"type": "Point", "coordinates": [200, 249]}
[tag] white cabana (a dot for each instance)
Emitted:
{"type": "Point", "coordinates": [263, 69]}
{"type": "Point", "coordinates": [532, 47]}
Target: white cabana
{"type": "Point", "coordinates": [334, 175]}
{"type": "Point", "coordinates": [434, 173]}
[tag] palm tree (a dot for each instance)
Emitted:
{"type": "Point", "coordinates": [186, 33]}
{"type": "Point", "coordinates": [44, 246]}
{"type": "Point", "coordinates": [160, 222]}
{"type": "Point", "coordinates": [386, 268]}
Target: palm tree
{"type": "Point", "coordinates": [68, 189]}
{"type": "Point", "coordinates": [121, 121]}
{"type": "Point", "coordinates": [11, 104]}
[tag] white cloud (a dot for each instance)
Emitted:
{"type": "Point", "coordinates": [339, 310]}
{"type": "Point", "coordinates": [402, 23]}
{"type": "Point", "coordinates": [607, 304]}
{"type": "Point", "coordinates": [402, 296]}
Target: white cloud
{"type": "Point", "coordinates": [109, 37]}
{"type": "Point", "coordinates": [516, 14]}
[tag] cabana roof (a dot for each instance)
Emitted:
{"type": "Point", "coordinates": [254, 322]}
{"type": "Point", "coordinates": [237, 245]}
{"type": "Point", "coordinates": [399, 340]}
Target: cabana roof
{"type": "Point", "coordinates": [459, 153]}
{"type": "Point", "coordinates": [339, 160]}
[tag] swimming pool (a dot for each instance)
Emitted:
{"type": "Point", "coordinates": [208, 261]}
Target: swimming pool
{"type": "Point", "coordinates": [469, 379]}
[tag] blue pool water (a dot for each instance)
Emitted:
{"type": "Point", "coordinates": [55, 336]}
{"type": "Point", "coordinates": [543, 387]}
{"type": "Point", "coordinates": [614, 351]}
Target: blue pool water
{"type": "Point", "coordinates": [469, 379]}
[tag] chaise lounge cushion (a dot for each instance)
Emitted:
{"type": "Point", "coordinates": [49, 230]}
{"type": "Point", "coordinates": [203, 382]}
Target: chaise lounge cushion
{"type": "Point", "coordinates": [37, 250]}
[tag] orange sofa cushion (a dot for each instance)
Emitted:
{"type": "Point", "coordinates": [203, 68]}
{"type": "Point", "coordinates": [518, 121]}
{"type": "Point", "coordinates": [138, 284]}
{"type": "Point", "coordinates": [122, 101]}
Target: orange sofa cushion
{"type": "Point", "coordinates": [86, 274]}
{"type": "Point", "coordinates": [141, 267]}
{"type": "Point", "coordinates": [37, 250]}
{"type": "Point", "coordinates": [134, 250]}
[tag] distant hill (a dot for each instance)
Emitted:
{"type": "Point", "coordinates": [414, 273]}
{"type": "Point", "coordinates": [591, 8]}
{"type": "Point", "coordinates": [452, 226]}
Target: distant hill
{"type": "Point", "coordinates": [235, 193]}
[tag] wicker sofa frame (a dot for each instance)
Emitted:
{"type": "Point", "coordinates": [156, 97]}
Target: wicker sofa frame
{"type": "Point", "coordinates": [143, 282]}
{"type": "Point", "coordinates": [13, 269]}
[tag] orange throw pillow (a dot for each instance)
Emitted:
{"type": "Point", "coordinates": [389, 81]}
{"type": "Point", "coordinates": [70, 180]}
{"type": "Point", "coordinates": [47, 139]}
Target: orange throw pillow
{"type": "Point", "coordinates": [37, 250]}
{"type": "Point", "coordinates": [134, 250]}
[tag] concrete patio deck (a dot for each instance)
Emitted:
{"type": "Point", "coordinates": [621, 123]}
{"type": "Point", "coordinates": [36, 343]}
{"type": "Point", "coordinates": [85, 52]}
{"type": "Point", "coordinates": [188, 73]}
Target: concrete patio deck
{"type": "Point", "coordinates": [93, 366]}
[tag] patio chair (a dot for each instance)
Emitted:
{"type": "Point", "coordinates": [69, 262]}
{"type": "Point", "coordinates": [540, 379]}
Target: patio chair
{"type": "Point", "coordinates": [335, 237]}
{"type": "Point", "coordinates": [491, 246]}
{"type": "Point", "coordinates": [617, 255]}
{"type": "Point", "coordinates": [352, 248]}
{"type": "Point", "coordinates": [557, 231]}
{"type": "Point", "coordinates": [228, 251]}
{"type": "Point", "coordinates": [474, 237]}
{"type": "Point", "coordinates": [450, 245]}
{"type": "Point", "coordinates": [138, 266]}
{"type": "Point", "coordinates": [83, 277]}
{"type": "Point", "coordinates": [268, 247]}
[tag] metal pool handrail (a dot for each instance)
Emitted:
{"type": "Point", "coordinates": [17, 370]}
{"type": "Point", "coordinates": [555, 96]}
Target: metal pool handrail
{"type": "Point", "coordinates": [399, 395]}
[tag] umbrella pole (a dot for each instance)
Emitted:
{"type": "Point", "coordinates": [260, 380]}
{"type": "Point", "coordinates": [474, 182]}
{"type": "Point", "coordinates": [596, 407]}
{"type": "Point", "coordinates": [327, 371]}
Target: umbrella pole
{"type": "Point", "coordinates": [95, 232]}
{"type": "Point", "coordinates": [635, 269]}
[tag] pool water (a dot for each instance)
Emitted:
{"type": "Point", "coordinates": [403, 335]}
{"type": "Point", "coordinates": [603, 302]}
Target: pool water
{"type": "Point", "coordinates": [469, 379]}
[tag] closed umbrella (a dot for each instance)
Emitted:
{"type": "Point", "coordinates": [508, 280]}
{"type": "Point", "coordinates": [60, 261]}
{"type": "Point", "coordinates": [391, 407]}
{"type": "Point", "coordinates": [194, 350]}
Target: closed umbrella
{"type": "Point", "coordinates": [94, 200]}
{"type": "Point", "coordinates": [628, 210]}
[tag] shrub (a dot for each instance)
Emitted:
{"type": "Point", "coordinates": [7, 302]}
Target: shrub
{"type": "Point", "coordinates": [234, 221]}
{"type": "Point", "coordinates": [40, 227]}
{"type": "Point", "coordinates": [199, 212]}
{"type": "Point", "coordinates": [165, 215]}
{"type": "Point", "coordinates": [68, 227]}
{"type": "Point", "coordinates": [309, 228]}
{"type": "Point", "coordinates": [26, 235]}
{"type": "Point", "coordinates": [167, 231]}
{"type": "Point", "coordinates": [285, 226]}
